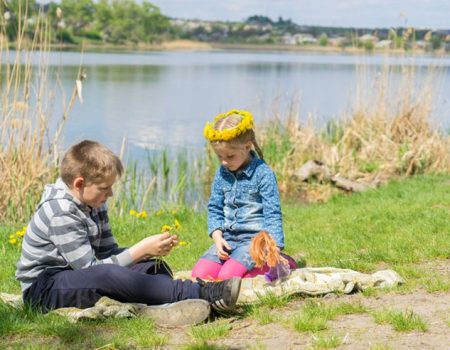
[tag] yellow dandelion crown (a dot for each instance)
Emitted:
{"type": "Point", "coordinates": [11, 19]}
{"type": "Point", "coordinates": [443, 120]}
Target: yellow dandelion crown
{"type": "Point", "coordinates": [244, 125]}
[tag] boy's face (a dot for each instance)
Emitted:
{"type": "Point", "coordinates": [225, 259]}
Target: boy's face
{"type": "Point", "coordinates": [233, 157]}
{"type": "Point", "coordinates": [94, 194]}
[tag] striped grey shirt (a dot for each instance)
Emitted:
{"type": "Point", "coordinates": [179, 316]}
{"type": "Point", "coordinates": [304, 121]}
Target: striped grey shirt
{"type": "Point", "coordinates": [64, 232]}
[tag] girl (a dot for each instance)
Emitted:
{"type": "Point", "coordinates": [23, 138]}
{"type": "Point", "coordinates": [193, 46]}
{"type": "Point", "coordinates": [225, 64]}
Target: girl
{"type": "Point", "coordinates": [244, 200]}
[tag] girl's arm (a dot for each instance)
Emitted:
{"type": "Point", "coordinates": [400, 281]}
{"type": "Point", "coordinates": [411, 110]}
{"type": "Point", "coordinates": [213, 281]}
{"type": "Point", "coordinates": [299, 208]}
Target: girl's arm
{"type": "Point", "coordinates": [271, 207]}
{"type": "Point", "coordinates": [215, 206]}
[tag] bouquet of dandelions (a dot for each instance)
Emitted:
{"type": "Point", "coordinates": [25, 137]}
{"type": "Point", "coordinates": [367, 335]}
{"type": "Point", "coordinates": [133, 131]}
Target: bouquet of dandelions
{"type": "Point", "coordinates": [166, 228]}
{"type": "Point", "coordinates": [172, 229]}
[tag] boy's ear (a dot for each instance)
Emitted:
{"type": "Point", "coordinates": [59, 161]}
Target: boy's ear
{"type": "Point", "coordinates": [78, 183]}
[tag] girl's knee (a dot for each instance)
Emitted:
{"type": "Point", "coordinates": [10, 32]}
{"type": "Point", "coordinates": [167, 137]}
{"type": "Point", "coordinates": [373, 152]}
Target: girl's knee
{"type": "Point", "coordinates": [206, 269]}
{"type": "Point", "coordinates": [232, 268]}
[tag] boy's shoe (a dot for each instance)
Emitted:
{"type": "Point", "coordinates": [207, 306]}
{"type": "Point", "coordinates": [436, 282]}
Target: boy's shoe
{"type": "Point", "coordinates": [181, 313]}
{"type": "Point", "coordinates": [222, 295]}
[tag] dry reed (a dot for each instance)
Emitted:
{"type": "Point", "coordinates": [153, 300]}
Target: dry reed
{"type": "Point", "coordinates": [28, 150]}
{"type": "Point", "coordinates": [388, 134]}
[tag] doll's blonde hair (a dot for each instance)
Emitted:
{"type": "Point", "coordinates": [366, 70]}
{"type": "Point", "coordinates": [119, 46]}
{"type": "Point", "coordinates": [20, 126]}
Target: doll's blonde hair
{"type": "Point", "coordinates": [263, 250]}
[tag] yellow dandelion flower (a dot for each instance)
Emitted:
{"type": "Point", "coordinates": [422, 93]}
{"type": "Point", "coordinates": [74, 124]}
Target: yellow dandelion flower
{"type": "Point", "coordinates": [20, 233]}
{"type": "Point", "coordinates": [182, 243]}
{"type": "Point", "coordinates": [142, 214]}
{"type": "Point", "coordinates": [176, 224]}
{"type": "Point", "coordinates": [13, 240]}
{"type": "Point", "coordinates": [165, 228]}
{"type": "Point", "coordinates": [133, 212]}
{"type": "Point", "coordinates": [12, 236]}
{"type": "Point", "coordinates": [174, 212]}
{"type": "Point", "coordinates": [245, 124]}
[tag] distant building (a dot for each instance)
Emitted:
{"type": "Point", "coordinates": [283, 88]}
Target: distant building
{"type": "Point", "coordinates": [383, 44]}
{"type": "Point", "coordinates": [368, 37]}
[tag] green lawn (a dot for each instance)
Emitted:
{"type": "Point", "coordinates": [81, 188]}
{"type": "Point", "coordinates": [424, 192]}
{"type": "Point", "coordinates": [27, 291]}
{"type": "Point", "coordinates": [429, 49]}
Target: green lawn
{"type": "Point", "coordinates": [403, 225]}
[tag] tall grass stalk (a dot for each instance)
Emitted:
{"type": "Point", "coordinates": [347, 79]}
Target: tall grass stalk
{"type": "Point", "coordinates": [387, 134]}
{"type": "Point", "coordinates": [28, 150]}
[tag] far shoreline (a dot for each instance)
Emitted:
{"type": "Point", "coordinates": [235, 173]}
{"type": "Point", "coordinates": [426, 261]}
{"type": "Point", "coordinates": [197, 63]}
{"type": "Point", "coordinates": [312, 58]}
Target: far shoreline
{"type": "Point", "coordinates": [189, 45]}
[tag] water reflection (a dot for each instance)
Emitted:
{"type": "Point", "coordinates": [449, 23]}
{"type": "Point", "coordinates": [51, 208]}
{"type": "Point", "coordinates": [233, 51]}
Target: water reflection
{"type": "Point", "coordinates": [160, 100]}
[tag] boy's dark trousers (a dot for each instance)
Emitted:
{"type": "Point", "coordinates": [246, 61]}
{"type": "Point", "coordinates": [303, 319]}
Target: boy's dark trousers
{"type": "Point", "coordinates": [148, 282]}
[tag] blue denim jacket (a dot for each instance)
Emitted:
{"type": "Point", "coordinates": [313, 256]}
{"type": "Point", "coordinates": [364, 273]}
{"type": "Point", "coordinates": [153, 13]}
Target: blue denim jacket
{"type": "Point", "coordinates": [246, 202]}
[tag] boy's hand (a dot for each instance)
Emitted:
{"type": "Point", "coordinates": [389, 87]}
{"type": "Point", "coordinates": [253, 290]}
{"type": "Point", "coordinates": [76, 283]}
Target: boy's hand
{"type": "Point", "coordinates": [222, 247]}
{"type": "Point", "coordinates": [156, 245]}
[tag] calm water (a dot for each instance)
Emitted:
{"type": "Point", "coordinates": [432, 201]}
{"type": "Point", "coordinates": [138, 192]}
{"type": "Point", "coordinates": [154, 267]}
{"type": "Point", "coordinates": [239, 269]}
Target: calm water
{"type": "Point", "coordinates": [161, 100]}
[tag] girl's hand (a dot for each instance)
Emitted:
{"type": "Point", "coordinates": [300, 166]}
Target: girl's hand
{"type": "Point", "coordinates": [283, 260]}
{"type": "Point", "coordinates": [222, 247]}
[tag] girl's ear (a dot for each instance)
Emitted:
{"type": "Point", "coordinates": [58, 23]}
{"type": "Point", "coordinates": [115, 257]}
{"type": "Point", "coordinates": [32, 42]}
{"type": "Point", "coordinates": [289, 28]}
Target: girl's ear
{"type": "Point", "coordinates": [248, 145]}
{"type": "Point", "coordinates": [78, 183]}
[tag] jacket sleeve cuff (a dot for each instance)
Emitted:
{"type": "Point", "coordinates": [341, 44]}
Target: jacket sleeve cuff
{"type": "Point", "coordinates": [124, 258]}
{"type": "Point", "coordinates": [215, 229]}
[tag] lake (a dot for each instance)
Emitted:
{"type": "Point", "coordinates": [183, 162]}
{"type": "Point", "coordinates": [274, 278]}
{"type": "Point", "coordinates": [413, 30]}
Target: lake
{"type": "Point", "coordinates": [161, 100]}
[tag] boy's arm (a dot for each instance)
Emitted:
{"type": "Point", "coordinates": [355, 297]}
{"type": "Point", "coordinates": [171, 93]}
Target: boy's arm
{"type": "Point", "coordinates": [271, 207]}
{"type": "Point", "coordinates": [108, 245]}
{"type": "Point", "coordinates": [69, 234]}
{"type": "Point", "coordinates": [215, 206]}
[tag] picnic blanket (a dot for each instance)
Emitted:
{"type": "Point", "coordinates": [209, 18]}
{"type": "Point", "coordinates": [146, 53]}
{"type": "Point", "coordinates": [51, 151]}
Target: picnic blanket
{"type": "Point", "coordinates": [306, 281]}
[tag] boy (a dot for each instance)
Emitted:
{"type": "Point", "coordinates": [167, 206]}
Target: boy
{"type": "Point", "coordinates": [70, 257]}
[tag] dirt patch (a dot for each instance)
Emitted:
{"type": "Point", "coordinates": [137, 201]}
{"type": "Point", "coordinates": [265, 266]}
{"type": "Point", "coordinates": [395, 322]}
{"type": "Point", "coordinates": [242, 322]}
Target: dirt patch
{"type": "Point", "coordinates": [355, 331]}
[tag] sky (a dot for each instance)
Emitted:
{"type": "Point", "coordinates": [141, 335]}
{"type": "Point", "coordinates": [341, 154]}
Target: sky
{"type": "Point", "coordinates": [432, 14]}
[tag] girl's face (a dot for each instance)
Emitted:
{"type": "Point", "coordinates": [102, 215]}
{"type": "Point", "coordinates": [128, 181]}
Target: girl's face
{"type": "Point", "coordinates": [233, 157]}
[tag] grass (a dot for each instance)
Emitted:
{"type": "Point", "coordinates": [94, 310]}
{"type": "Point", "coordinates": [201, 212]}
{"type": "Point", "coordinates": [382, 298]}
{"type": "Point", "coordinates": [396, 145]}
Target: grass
{"type": "Point", "coordinates": [262, 314]}
{"type": "Point", "coordinates": [381, 347]}
{"type": "Point", "coordinates": [375, 240]}
{"type": "Point", "coordinates": [204, 346]}
{"type": "Point", "coordinates": [326, 342]}
{"type": "Point", "coordinates": [401, 321]}
{"type": "Point", "coordinates": [202, 336]}
{"type": "Point", "coordinates": [313, 316]}
{"type": "Point", "coordinates": [357, 233]}
{"type": "Point", "coordinates": [214, 331]}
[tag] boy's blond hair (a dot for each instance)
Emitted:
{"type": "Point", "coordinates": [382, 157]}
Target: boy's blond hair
{"type": "Point", "coordinates": [91, 161]}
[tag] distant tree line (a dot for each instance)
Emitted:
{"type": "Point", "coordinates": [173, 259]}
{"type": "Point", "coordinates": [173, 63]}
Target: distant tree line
{"type": "Point", "coordinates": [112, 21]}
{"type": "Point", "coordinates": [125, 21]}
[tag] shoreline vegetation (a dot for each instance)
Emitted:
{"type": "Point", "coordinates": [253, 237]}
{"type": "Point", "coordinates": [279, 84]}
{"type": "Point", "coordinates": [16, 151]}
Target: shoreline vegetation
{"type": "Point", "coordinates": [191, 45]}
{"type": "Point", "coordinates": [132, 25]}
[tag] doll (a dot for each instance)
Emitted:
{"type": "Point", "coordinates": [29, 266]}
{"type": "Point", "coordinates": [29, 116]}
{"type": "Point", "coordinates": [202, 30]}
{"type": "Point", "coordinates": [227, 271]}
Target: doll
{"type": "Point", "coordinates": [264, 251]}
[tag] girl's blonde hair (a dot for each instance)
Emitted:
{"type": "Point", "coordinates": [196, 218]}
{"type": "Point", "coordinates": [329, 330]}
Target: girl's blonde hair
{"type": "Point", "coordinates": [90, 160]}
{"type": "Point", "coordinates": [232, 121]}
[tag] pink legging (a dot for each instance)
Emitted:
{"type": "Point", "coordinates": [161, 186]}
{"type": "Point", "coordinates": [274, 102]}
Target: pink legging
{"type": "Point", "coordinates": [210, 270]}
